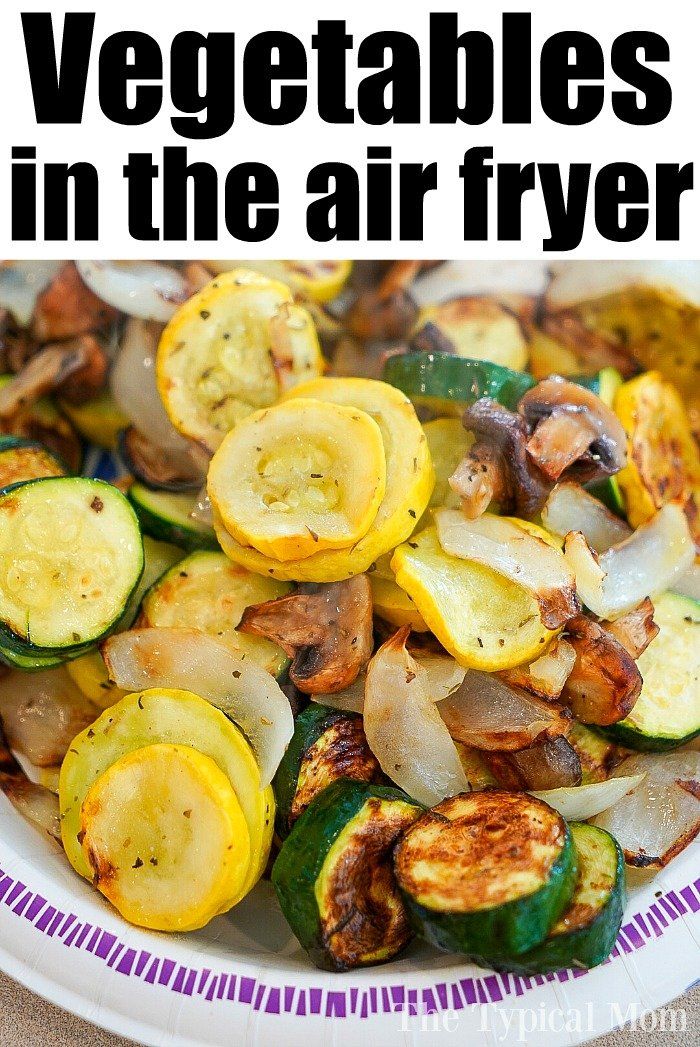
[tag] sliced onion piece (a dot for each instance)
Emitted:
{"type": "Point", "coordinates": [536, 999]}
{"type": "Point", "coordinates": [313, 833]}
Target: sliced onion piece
{"type": "Point", "coordinates": [580, 802]}
{"type": "Point", "coordinates": [487, 713]}
{"type": "Point", "coordinates": [133, 385]}
{"type": "Point", "coordinates": [404, 729]}
{"type": "Point", "coordinates": [547, 675]}
{"type": "Point", "coordinates": [689, 584]}
{"type": "Point", "coordinates": [570, 508]}
{"type": "Point", "coordinates": [202, 510]}
{"type": "Point", "coordinates": [21, 283]}
{"type": "Point", "coordinates": [147, 290]}
{"type": "Point", "coordinates": [443, 675]}
{"type": "Point", "coordinates": [579, 281]}
{"type": "Point", "coordinates": [42, 713]}
{"type": "Point", "coordinates": [516, 554]}
{"type": "Point", "coordinates": [659, 818]}
{"type": "Point", "coordinates": [193, 661]}
{"type": "Point", "coordinates": [37, 804]}
{"type": "Point", "coordinates": [500, 279]}
{"type": "Point", "coordinates": [651, 560]}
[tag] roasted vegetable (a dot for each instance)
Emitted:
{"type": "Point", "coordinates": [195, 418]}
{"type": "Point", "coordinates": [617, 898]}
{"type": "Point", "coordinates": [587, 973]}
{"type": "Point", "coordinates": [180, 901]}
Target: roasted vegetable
{"type": "Point", "coordinates": [22, 460]}
{"type": "Point", "coordinates": [448, 384]}
{"type": "Point", "coordinates": [448, 442]}
{"type": "Point", "coordinates": [98, 420]}
{"type": "Point", "coordinates": [663, 458]}
{"type": "Point", "coordinates": [660, 816]}
{"type": "Point", "coordinates": [220, 356]}
{"type": "Point", "coordinates": [68, 308]}
{"type": "Point", "coordinates": [549, 764]}
{"type": "Point", "coordinates": [300, 477]}
{"type": "Point", "coordinates": [166, 516]}
{"type": "Point", "coordinates": [389, 600]}
{"type": "Point", "coordinates": [72, 557]}
{"type": "Point", "coordinates": [326, 629]}
{"type": "Point", "coordinates": [487, 874]}
{"type": "Point", "coordinates": [154, 468]}
{"type": "Point", "coordinates": [130, 804]}
{"type": "Point", "coordinates": [475, 328]}
{"type": "Point", "coordinates": [43, 423]}
{"type": "Point", "coordinates": [206, 591]}
{"type": "Point", "coordinates": [409, 484]}
{"type": "Point", "coordinates": [327, 745]}
{"type": "Point", "coordinates": [318, 280]}
{"type": "Point", "coordinates": [334, 880]}
{"type": "Point", "coordinates": [481, 618]}
{"type": "Point", "coordinates": [37, 804]}
{"type": "Point", "coordinates": [605, 681]}
{"type": "Point", "coordinates": [585, 933]}
{"type": "Point", "coordinates": [598, 755]}
{"type": "Point", "coordinates": [667, 711]}
{"type": "Point", "coordinates": [42, 713]}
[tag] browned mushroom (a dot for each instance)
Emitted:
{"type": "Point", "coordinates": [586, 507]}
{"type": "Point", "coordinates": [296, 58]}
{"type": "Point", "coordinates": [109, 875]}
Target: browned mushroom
{"type": "Point", "coordinates": [389, 311]}
{"type": "Point", "coordinates": [605, 681]}
{"type": "Point", "coordinates": [157, 467]}
{"type": "Point", "coordinates": [593, 349]}
{"type": "Point", "coordinates": [77, 369]}
{"type": "Point", "coordinates": [68, 308]}
{"type": "Point", "coordinates": [326, 628]}
{"type": "Point", "coordinates": [497, 467]}
{"type": "Point", "coordinates": [574, 432]}
{"type": "Point", "coordinates": [552, 764]}
{"type": "Point", "coordinates": [634, 630]}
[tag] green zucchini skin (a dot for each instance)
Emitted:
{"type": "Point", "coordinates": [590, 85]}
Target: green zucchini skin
{"type": "Point", "coordinates": [300, 863]}
{"type": "Point", "coordinates": [500, 933]}
{"type": "Point", "coordinates": [16, 465]}
{"type": "Point", "coordinates": [25, 653]}
{"type": "Point", "coordinates": [455, 378]}
{"type": "Point", "coordinates": [591, 943]}
{"type": "Point", "coordinates": [310, 727]}
{"type": "Point", "coordinates": [164, 516]}
{"type": "Point", "coordinates": [672, 653]}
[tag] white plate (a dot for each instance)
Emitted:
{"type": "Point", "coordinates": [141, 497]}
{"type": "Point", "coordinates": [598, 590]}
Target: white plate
{"type": "Point", "coordinates": [245, 981]}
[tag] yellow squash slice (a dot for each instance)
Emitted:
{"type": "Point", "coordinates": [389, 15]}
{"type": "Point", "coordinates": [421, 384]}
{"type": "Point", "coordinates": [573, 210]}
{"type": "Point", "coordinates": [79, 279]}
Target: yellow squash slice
{"type": "Point", "coordinates": [477, 328]}
{"type": "Point", "coordinates": [167, 717]}
{"type": "Point", "coordinates": [409, 484]}
{"type": "Point", "coordinates": [231, 349]}
{"type": "Point", "coordinates": [207, 591]}
{"type": "Point", "coordinates": [90, 675]}
{"type": "Point", "coordinates": [165, 837]}
{"type": "Point", "coordinates": [448, 441]}
{"type": "Point", "coordinates": [302, 476]}
{"type": "Point", "coordinates": [389, 600]}
{"type": "Point", "coordinates": [318, 280]}
{"type": "Point", "coordinates": [484, 620]}
{"type": "Point", "coordinates": [663, 463]}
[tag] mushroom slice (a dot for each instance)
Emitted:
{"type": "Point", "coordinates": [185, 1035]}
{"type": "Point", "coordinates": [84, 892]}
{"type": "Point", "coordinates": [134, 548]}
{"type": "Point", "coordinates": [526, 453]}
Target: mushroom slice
{"type": "Point", "coordinates": [574, 431]}
{"type": "Point", "coordinates": [636, 629]}
{"type": "Point", "coordinates": [164, 469]}
{"type": "Point", "coordinates": [325, 627]}
{"type": "Point", "coordinates": [68, 308]}
{"type": "Point", "coordinates": [76, 368]}
{"type": "Point", "coordinates": [37, 804]}
{"type": "Point", "coordinates": [552, 764]}
{"type": "Point", "coordinates": [487, 713]}
{"type": "Point", "coordinates": [570, 508]}
{"type": "Point", "coordinates": [516, 554]}
{"type": "Point", "coordinates": [605, 682]}
{"type": "Point", "coordinates": [654, 558]}
{"type": "Point", "coordinates": [389, 311]}
{"type": "Point", "coordinates": [547, 675]}
{"type": "Point", "coordinates": [499, 453]}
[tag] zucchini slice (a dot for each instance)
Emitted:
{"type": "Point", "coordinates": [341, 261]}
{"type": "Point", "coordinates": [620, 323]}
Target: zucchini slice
{"type": "Point", "coordinates": [487, 873]}
{"type": "Point", "coordinates": [158, 557]}
{"type": "Point", "coordinates": [663, 461]}
{"type": "Point", "coordinates": [70, 557]}
{"type": "Point", "coordinates": [475, 328]}
{"type": "Point", "coordinates": [334, 880]}
{"type": "Point", "coordinates": [99, 421]}
{"type": "Point", "coordinates": [22, 460]}
{"type": "Point", "coordinates": [318, 280]}
{"type": "Point", "coordinates": [165, 837]}
{"type": "Point", "coordinates": [449, 383]}
{"type": "Point", "coordinates": [167, 717]}
{"type": "Point", "coordinates": [598, 755]}
{"type": "Point", "coordinates": [667, 712]}
{"type": "Point", "coordinates": [327, 744]}
{"type": "Point", "coordinates": [300, 477]}
{"type": "Point", "coordinates": [585, 933]}
{"type": "Point", "coordinates": [484, 620]}
{"type": "Point", "coordinates": [206, 591]}
{"type": "Point", "coordinates": [230, 349]}
{"type": "Point", "coordinates": [165, 516]}
{"type": "Point", "coordinates": [409, 484]}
